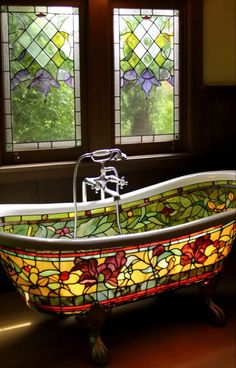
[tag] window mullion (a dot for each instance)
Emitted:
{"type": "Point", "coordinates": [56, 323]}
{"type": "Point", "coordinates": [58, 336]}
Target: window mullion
{"type": "Point", "coordinates": [99, 90]}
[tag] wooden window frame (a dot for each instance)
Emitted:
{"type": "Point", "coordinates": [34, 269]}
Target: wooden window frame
{"type": "Point", "coordinates": [97, 81]}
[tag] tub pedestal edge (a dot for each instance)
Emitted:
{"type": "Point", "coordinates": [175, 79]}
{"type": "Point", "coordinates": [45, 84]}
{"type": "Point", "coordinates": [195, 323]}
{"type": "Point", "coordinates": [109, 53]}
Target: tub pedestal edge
{"type": "Point", "coordinates": [215, 312]}
{"type": "Point", "coordinates": [93, 321]}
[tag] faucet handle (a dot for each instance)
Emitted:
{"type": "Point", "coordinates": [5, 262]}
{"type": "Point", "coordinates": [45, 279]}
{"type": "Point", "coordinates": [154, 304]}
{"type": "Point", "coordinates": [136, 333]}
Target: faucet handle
{"type": "Point", "coordinates": [123, 182]}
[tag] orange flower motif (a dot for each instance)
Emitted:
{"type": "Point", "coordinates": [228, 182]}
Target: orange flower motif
{"type": "Point", "coordinates": [212, 206]}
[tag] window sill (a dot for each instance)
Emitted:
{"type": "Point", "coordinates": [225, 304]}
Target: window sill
{"type": "Point", "coordinates": [60, 170]}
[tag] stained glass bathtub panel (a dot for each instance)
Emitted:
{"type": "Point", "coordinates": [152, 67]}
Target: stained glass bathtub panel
{"type": "Point", "coordinates": [146, 67]}
{"type": "Point", "coordinates": [158, 211]}
{"type": "Point", "coordinates": [68, 282]}
{"type": "Point", "coordinates": [40, 53]}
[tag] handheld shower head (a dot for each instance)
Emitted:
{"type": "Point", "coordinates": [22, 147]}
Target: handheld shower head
{"type": "Point", "coordinates": [107, 155]}
{"type": "Point", "coordinates": [120, 156]}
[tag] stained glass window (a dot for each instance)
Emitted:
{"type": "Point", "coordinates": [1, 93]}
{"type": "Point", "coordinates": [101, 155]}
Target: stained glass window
{"type": "Point", "coordinates": [40, 57]}
{"type": "Point", "coordinates": [146, 51]}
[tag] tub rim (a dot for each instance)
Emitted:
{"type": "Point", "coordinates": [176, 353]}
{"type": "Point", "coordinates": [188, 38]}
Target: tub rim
{"type": "Point", "coordinates": [116, 241]}
{"type": "Point", "coordinates": [149, 191]}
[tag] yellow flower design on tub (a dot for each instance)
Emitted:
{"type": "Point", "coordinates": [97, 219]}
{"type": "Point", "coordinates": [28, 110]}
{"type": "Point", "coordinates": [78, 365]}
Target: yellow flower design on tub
{"type": "Point", "coordinates": [45, 278]}
{"type": "Point", "coordinates": [57, 280]}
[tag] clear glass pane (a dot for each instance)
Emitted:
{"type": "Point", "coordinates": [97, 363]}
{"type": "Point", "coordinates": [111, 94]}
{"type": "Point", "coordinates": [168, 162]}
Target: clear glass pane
{"type": "Point", "coordinates": [145, 51]}
{"type": "Point", "coordinates": [39, 60]}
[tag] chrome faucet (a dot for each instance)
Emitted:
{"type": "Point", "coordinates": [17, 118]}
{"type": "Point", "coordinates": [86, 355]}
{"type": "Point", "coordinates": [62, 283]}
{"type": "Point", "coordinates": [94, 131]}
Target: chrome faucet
{"type": "Point", "coordinates": [108, 174]}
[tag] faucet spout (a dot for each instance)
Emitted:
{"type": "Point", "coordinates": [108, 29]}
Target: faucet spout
{"type": "Point", "coordinates": [112, 193]}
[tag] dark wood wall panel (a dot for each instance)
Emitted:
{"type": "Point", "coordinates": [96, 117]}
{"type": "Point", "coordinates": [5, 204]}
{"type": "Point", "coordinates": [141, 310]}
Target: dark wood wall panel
{"type": "Point", "coordinates": [219, 122]}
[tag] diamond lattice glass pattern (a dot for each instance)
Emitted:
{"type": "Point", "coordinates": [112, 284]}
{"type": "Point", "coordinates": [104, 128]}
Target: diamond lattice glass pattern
{"type": "Point", "coordinates": [40, 44]}
{"type": "Point", "coordinates": [146, 74]}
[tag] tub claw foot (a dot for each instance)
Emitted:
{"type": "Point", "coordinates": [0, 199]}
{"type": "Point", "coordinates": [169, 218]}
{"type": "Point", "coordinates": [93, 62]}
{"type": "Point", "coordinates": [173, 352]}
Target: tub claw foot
{"type": "Point", "coordinates": [99, 354]}
{"type": "Point", "coordinates": [215, 312]}
{"type": "Point", "coordinates": [92, 321]}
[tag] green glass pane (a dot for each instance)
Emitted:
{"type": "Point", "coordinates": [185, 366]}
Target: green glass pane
{"type": "Point", "coordinates": [50, 30]}
{"type": "Point", "coordinates": [33, 68]}
{"type": "Point", "coordinates": [50, 49]}
{"type": "Point", "coordinates": [68, 65]}
{"type": "Point", "coordinates": [58, 59]}
{"type": "Point", "coordinates": [16, 52]}
{"type": "Point", "coordinates": [59, 39]}
{"type": "Point", "coordinates": [43, 59]}
{"type": "Point", "coordinates": [168, 64]}
{"type": "Point", "coordinates": [52, 69]}
{"type": "Point", "coordinates": [25, 39]}
{"type": "Point", "coordinates": [33, 29]}
{"type": "Point", "coordinates": [42, 39]}
{"type": "Point", "coordinates": [134, 60]}
{"type": "Point", "coordinates": [139, 67]}
{"type": "Point", "coordinates": [167, 50]}
{"type": "Point", "coordinates": [147, 41]}
{"type": "Point", "coordinates": [34, 49]}
{"type": "Point", "coordinates": [27, 60]}
{"type": "Point", "coordinates": [124, 65]}
{"type": "Point", "coordinates": [147, 59]}
{"type": "Point", "coordinates": [41, 22]}
{"type": "Point", "coordinates": [160, 59]}
{"type": "Point", "coordinates": [161, 40]}
{"type": "Point", "coordinates": [127, 51]}
{"type": "Point", "coordinates": [132, 41]}
{"type": "Point", "coordinates": [164, 74]}
{"type": "Point", "coordinates": [156, 70]}
{"type": "Point", "coordinates": [15, 65]}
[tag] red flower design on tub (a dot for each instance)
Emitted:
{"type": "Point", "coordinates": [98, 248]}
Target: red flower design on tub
{"type": "Point", "coordinates": [158, 250]}
{"type": "Point", "coordinates": [106, 272]}
{"type": "Point", "coordinates": [65, 231]}
{"type": "Point", "coordinates": [194, 252]}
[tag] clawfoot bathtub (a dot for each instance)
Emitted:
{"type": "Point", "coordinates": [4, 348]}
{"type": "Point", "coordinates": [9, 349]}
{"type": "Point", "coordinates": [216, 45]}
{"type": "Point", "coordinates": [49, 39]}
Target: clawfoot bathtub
{"type": "Point", "coordinates": [168, 235]}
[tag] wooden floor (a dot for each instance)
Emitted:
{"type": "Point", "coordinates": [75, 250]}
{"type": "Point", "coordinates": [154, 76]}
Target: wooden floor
{"type": "Point", "coordinates": [165, 331]}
